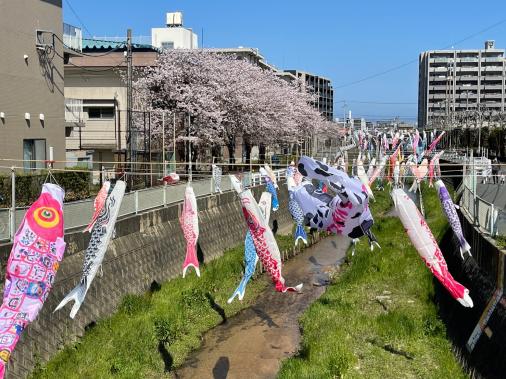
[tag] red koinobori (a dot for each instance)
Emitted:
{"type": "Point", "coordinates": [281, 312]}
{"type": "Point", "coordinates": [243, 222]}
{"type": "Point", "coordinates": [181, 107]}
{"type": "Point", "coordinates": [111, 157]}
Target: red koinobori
{"type": "Point", "coordinates": [263, 239]}
{"type": "Point", "coordinates": [424, 242]}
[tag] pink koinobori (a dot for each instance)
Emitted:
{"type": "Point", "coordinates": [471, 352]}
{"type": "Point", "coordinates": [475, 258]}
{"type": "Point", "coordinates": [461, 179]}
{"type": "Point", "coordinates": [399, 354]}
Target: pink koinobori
{"type": "Point", "coordinates": [189, 221]}
{"type": "Point", "coordinates": [424, 242]}
{"type": "Point", "coordinates": [36, 252]}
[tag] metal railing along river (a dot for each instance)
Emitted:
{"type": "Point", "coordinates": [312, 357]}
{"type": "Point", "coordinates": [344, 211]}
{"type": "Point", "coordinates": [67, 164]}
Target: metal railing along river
{"type": "Point", "coordinates": [77, 214]}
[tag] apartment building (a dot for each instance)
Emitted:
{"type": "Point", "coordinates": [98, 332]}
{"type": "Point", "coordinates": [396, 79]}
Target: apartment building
{"type": "Point", "coordinates": [31, 77]}
{"type": "Point", "coordinates": [320, 86]}
{"type": "Point", "coordinates": [96, 100]}
{"type": "Point", "coordinates": [460, 85]}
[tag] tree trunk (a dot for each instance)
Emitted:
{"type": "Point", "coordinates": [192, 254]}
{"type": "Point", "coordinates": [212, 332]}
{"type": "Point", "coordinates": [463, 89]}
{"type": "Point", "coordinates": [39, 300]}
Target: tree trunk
{"type": "Point", "coordinates": [247, 152]}
{"type": "Point", "coordinates": [216, 152]}
{"type": "Point", "coordinates": [261, 153]}
{"type": "Point", "coordinates": [231, 153]}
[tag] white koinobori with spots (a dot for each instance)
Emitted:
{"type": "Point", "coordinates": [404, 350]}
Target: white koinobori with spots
{"type": "Point", "coordinates": [101, 234]}
{"type": "Point", "coordinates": [347, 213]}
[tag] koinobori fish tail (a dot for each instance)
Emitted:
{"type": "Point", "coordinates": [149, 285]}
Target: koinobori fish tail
{"type": "Point", "coordinates": [101, 234]}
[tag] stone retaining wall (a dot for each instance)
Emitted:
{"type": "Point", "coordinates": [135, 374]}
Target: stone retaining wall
{"type": "Point", "coordinates": [148, 247]}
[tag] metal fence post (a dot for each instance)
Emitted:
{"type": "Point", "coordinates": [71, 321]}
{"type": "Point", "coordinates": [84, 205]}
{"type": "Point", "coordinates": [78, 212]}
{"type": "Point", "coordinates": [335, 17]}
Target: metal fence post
{"type": "Point", "coordinates": [164, 194]}
{"type": "Point", "coordinates": [492, 211]}
{"type": "Point", "coordinates": [13, 204]}
{"type": "Point", "coordinates": [136, 201]}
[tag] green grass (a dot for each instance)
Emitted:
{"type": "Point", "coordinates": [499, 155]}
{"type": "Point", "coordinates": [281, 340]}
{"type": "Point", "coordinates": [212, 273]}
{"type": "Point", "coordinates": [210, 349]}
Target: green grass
{"type": "Point", "coordinates": [378, 319]}
{"type": "Point", "coordinates": [173, 319]}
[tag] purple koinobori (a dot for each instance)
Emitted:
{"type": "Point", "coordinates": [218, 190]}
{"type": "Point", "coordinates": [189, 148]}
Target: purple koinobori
{"type": "Point", "coordinates": [451, 214]}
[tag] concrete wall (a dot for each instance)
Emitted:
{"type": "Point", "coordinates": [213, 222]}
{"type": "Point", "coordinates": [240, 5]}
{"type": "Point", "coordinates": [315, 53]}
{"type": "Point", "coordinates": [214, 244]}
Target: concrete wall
{"type": "Point", "coordinates": [479, 274]}
{"type": "Point", "coordinates": [181, 38]}
{"type": "Point", "coordinates": [33, 86]}
{"type": "Point", "coordinates": [149, 247]}
{"type": "Point", "coordinates": [100, 86]}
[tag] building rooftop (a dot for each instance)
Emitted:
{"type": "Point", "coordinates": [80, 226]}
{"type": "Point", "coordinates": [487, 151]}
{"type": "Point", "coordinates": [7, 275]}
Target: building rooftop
{"type": "Point", "coordinates": [114, 59]}
{"type": "Point", "coordinates": [294, 72]}
{"type": "Point", "coordinates": [104, 45]}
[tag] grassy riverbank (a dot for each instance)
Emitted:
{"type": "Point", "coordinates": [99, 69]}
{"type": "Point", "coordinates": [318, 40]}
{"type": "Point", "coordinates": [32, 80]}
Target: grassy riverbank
{"type": "Point", "coordinates": [378, 319]}
{"type": "Point", "coordinates": [153, 333]}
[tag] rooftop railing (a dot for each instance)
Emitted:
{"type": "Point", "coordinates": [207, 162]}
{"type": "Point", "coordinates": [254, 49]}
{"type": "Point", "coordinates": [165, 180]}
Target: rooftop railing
{"type": "Point", "coordinates": [72, 37]}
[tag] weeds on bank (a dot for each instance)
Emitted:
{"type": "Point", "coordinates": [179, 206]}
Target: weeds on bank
{"type": "Point", "coordinates": [153, 333]}
{"type": "Point", "coordinates": [378, 319]}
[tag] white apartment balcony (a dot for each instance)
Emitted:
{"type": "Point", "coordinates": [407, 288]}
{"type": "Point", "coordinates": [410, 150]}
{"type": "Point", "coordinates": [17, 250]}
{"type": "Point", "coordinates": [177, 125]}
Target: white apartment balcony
{"type": "Point", "coordinates": [467, 77]}
{"type": "Point", "coordinates": [490, 104]}
{"type": "Point", "coordinates": [72, 37]}
{"type": "Point", "coordinates": [467, 59]}
{"type": "Point", "coordinates": [491, 68]}
{"type": "Point", "coordinates": [467, 69]}
{"type": "Point", "coordinates": [466, 95]}
{"type": "Point", "coordinates": [492, 59]}
{"type": "Point", "coordinates": [466, 87]}
{"type": "Point", "coordinates": [497, 79]}
{"type": "Point", "coordinates": [439, 88]}
{"type": "Point", "coordinates": [439, 60]}
{"type": "Point", "coordinates": [438, 96]}
{"type": "Point", "coordinates": [491, 87]}
{"type": "Point", "coordinates": [438, 69]}
{"type": "Point", "coordinates": [491, 95]}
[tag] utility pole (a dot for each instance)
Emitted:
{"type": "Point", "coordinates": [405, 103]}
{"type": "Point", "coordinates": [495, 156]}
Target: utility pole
{"type": "Point", "coordinates": [479, 128]}
{"type": "Point", "coordinates": [129, 104]}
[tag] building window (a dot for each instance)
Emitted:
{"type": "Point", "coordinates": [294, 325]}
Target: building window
{"type": "Point", "coordinates": [34, 153]}
{"type": "Point", "coordinates": [167, 45]}
{"type": "Point", "coordinates": [101, 113]}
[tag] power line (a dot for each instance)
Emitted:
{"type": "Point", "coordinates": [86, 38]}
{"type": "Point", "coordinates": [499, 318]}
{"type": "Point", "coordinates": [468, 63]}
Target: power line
{"type": "Point", "coordinates": [381, 73]}
{"type": "Point", "coordinates": [78, 18]}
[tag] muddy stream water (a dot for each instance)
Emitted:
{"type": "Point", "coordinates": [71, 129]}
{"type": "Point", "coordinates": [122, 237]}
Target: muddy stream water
{"type": "Point", "coordinates": [253, 343]}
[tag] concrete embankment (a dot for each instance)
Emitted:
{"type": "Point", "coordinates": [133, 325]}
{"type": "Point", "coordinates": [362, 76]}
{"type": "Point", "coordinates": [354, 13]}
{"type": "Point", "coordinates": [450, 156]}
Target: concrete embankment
{"type": "Point", "coordinates": [148, 248]}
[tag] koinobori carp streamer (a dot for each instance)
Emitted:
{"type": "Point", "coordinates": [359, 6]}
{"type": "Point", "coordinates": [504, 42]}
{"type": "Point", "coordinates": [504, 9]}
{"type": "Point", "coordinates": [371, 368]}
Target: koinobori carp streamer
{"type": "Point", "coordinates": [425, 244]}
{"type": "Point", "coordinates": [36, 253]}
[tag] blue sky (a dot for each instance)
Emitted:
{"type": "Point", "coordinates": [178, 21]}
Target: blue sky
{"type": "Point", "coordinates": [344, 41]}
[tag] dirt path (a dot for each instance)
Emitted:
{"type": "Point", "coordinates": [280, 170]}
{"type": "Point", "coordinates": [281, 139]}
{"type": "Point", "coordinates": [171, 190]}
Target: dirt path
{"type": "Point", "coordinates": [253, 343]}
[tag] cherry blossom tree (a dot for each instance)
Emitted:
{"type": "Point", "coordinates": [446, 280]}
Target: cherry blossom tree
{"type": "Point", "coordinates": [225, 98]}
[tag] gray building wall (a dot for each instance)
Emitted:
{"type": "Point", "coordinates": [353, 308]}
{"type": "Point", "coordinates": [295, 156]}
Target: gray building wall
{"type": "Point", "coordinates": [34, 85]}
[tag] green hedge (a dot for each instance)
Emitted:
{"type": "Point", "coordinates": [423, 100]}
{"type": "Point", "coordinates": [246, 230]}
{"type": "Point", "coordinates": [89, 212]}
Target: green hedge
{"type": "Point", "coordinates": [77, 186]}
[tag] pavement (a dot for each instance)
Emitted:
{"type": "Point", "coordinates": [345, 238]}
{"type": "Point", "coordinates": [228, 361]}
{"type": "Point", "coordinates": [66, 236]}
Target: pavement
{"type": "Point", "coordinates": [253, 343]}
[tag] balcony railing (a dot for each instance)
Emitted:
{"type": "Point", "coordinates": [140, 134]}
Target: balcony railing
{"type": "Point", "coordinates": [73, 110]}
{"type": "Point", "coordinates": [72, 37]}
